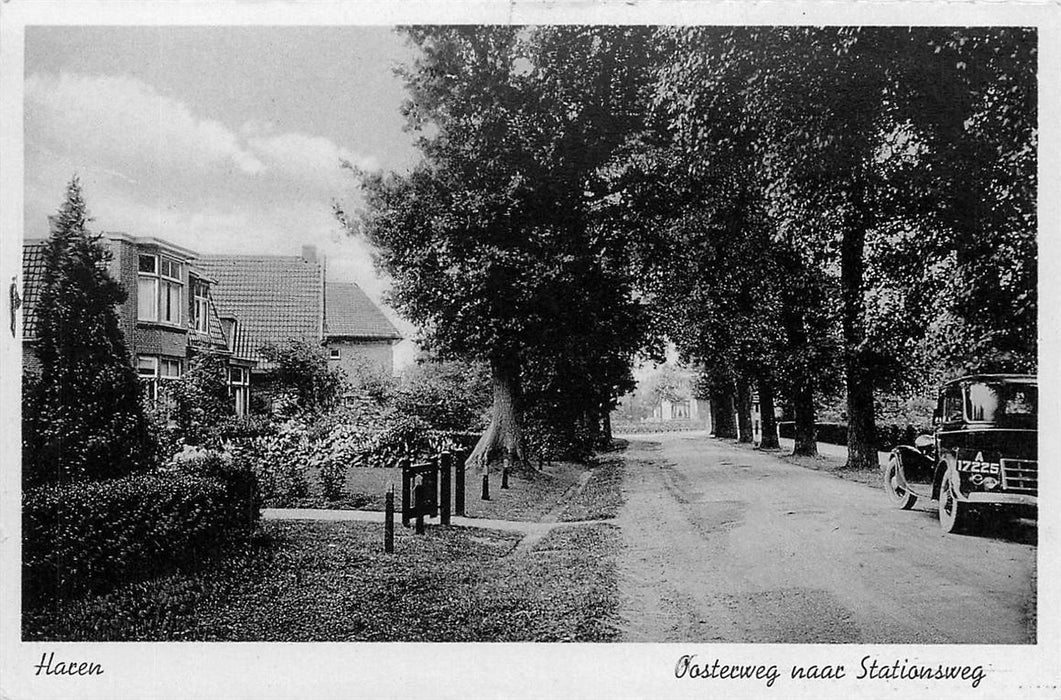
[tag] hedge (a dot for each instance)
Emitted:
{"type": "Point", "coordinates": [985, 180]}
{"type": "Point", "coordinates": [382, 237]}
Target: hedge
{"type": "Point", "coordinates": [888, 435]}
{"type": "Point", "coordinates": [91, 535]}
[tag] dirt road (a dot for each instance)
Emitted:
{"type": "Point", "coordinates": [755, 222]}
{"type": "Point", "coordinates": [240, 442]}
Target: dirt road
{"type": "Point", "coordinates": [726, 544]}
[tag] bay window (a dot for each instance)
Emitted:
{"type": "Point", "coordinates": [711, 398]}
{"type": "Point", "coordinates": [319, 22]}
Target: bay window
{"type": "Point", "coordinates": [158, 289]}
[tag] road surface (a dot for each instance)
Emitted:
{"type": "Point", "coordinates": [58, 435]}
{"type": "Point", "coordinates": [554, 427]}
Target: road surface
{"type": "Point", "coordinates": [727, 544]}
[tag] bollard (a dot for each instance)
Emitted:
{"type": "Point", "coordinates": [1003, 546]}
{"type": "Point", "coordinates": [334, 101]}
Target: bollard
{"type": "Point", "coordinates": [435, 462]}
{"type": "Point", "coordinates": [445, 462]}
{"type": "Point", "coordinates": [486, 487]}
{"type": "Point", "coordinates": [418, 497]}
{"type": "Point", "coordinates": [406, 493]}
{"type": "Point", "coordinates": [458, 504]}
{"type": "Point", "coordinates": [388, 523]}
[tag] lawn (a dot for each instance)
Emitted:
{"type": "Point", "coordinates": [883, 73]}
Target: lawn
{"type": "Point", "coordinates": [317, 581]}
{"type": "Point", "coordinates": [530, 496]}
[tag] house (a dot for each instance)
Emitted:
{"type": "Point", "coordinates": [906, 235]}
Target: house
{"type": "Point", "coordinates": [169, 314]}
{"type": "Point", "coordinates": [277, 298]}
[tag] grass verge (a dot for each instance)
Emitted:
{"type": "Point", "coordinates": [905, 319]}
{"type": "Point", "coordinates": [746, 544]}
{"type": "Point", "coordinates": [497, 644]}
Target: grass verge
{"type": "Point", "coordinates": [601, 497]}
{"type": "Point", "coordinates": [330, 581]}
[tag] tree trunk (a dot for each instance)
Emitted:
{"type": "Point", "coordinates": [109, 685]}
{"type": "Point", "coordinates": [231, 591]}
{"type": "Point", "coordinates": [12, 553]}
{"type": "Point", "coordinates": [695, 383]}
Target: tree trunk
{"type": "Point", "coordinates": [744, 410]}
{"type": "Point", "coordinates": [803, 407]}
{"type": "Point", "coordinates": [861, 428]}
{"type": "Point", "coordinates": [607, 431]}
{"type": "Point", "coordinates": [766, 414]}
{"type": "Point", "coordinates": [722, 410]}
{"type": "Point", "coordinates": [503, 438]}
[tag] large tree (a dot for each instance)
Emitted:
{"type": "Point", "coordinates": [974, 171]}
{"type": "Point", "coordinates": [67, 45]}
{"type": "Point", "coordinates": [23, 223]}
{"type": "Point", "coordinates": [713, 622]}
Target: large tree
{"type": "Point", "coordinates": [493, 241]}
{"type": "Point", "coordinates": [913, 144]}
{"type": "Point", "coordinates": [82, 416]}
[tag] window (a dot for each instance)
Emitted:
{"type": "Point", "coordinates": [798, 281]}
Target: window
{"type": "Point", "coordinates": [952, 405]}
{"type": "Point", "coordinates": [1000, 402]}
{"type": "Point", "coordinates": [333, 354]}
{"type": "Point", "coordinates": [152, 370]}
{"type": "Point", "coordinates": [147, 369]}
{"type": "Point", "coordinates": [239, 388]}
{"type": "Point", "coordinates": [158, 289]}
{"type": "Point", "coordinates": [199, 308]}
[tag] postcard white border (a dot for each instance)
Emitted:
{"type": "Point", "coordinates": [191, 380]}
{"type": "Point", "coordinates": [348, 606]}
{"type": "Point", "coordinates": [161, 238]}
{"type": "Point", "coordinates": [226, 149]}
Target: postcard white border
{"type": "Point", "coordinates": [263, 670]}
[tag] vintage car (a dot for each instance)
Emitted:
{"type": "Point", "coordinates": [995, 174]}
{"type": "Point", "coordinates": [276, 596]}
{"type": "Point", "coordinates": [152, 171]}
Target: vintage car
{"type": "Point", "coordinates": [983, 457]}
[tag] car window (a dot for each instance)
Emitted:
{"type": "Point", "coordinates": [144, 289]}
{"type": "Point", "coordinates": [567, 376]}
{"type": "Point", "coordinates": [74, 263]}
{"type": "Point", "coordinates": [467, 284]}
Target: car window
{"type": "Point", "coordinates": [952, 405]}
{"type": "Point", "coordinates": [998, 401]}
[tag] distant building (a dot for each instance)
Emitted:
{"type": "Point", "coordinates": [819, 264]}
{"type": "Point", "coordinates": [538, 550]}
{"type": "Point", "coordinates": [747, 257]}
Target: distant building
{"type": "Point", "coordinates": [277, 298]}
{"type": "Point", "coordinates": [168, 316]}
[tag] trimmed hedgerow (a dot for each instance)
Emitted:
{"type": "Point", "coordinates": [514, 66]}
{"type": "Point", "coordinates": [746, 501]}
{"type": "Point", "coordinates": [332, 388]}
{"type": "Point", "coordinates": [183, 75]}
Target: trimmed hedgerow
{"type": "Point", "coordinates": [888, 434]}
{"type": "Point", "coordinates": [92, 535]}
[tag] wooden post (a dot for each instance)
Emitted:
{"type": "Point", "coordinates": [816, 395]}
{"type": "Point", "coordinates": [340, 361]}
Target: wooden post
{"type": "Point", "coordinates": [458, 504]}
{"type": "Point", "coordinates": [418, 496]}
{"type": "Point", "coordinates": [446, 487]}
{"type": "Point", "coordinates": [406, 491]}
{"type": "Point", "coordinates": [388, 523]}
{"type": "Point", "coordinates": [435, 462]}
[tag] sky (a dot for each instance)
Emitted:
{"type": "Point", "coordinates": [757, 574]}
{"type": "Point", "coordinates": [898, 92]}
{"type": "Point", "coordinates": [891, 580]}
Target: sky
{"type": "Point", "coordinates": [220, 139]}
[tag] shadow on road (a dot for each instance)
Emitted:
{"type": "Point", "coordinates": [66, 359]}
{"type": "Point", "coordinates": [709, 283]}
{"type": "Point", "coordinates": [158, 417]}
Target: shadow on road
{"type": "Point", "coordinates": [995, 527]}
{"type": "Point", "coordinates": [1019, 530]}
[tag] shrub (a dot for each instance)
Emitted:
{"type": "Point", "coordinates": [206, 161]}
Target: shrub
{"type": "Point", "coordinates": [199, 399]}
{"type": "Point", "coordinates": [92, 535]}
{"type": "Point", "coordinates": [241, 485]}
{"type": "Point", "coordinates": [302, 377]}
{"type": "Point", "coordinates": [237, 428]}
{"type": "Point", "coordinates": [409, 437]}
{"type": "Point", "coordinates": [278, 462]}
{"type": "Point", "coordinates": [447, 395]}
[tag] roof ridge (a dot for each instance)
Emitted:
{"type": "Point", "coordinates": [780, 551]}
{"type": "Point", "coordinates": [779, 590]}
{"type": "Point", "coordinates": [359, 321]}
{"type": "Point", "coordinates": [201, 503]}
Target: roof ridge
{"type": "Point", "coordinates": [250, 256]}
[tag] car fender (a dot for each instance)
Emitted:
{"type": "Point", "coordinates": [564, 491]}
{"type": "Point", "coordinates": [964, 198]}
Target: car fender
{"type": "Point", "coordinates": [947, 463]}
{"type": "Point", "coordinates": [915, 470]}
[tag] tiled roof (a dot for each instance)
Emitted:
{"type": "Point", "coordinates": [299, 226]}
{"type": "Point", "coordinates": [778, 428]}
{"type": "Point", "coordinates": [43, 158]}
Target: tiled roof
{"type": "Point", "coordinates": [273, 298]}
{"type": "Point", "coordinates": [349, 313]}
{"type": "Point", "coordinates": [32, 276]}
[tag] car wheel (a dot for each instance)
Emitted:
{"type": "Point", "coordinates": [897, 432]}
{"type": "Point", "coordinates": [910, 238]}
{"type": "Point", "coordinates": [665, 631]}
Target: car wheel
{"type": "Point", "coordinates": [954, 515]}
{"type": "Point", "coordinates": [898, 494]}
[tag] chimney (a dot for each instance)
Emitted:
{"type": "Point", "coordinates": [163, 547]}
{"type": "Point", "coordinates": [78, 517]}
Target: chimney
{"type": "Point", "coordinates": [309, 253]}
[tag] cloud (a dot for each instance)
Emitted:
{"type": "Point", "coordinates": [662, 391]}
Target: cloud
{"type": "Point", "coordinates": [302, 157]}
{"type": "Point", "coordinates": [125, 125]}
{"type": "Point", "coordinates": [150, 166]}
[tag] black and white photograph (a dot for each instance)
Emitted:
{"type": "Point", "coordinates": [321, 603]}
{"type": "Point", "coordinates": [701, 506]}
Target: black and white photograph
{"type": "Point", "coordinates": [529, 350]}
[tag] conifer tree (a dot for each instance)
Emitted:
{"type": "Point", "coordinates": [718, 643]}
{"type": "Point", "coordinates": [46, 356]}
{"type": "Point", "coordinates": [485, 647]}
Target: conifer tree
{"type": "Point", "coordinates": [83, 418]}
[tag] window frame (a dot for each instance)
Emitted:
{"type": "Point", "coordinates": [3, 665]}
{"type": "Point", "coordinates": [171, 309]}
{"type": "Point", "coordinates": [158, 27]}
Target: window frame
{"type": "Point", "coordinates": [200, 305]}
{"type": "Point", "coordinates": [162, 284]}
{"type": "Point", "coordinates": [239, 390]}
